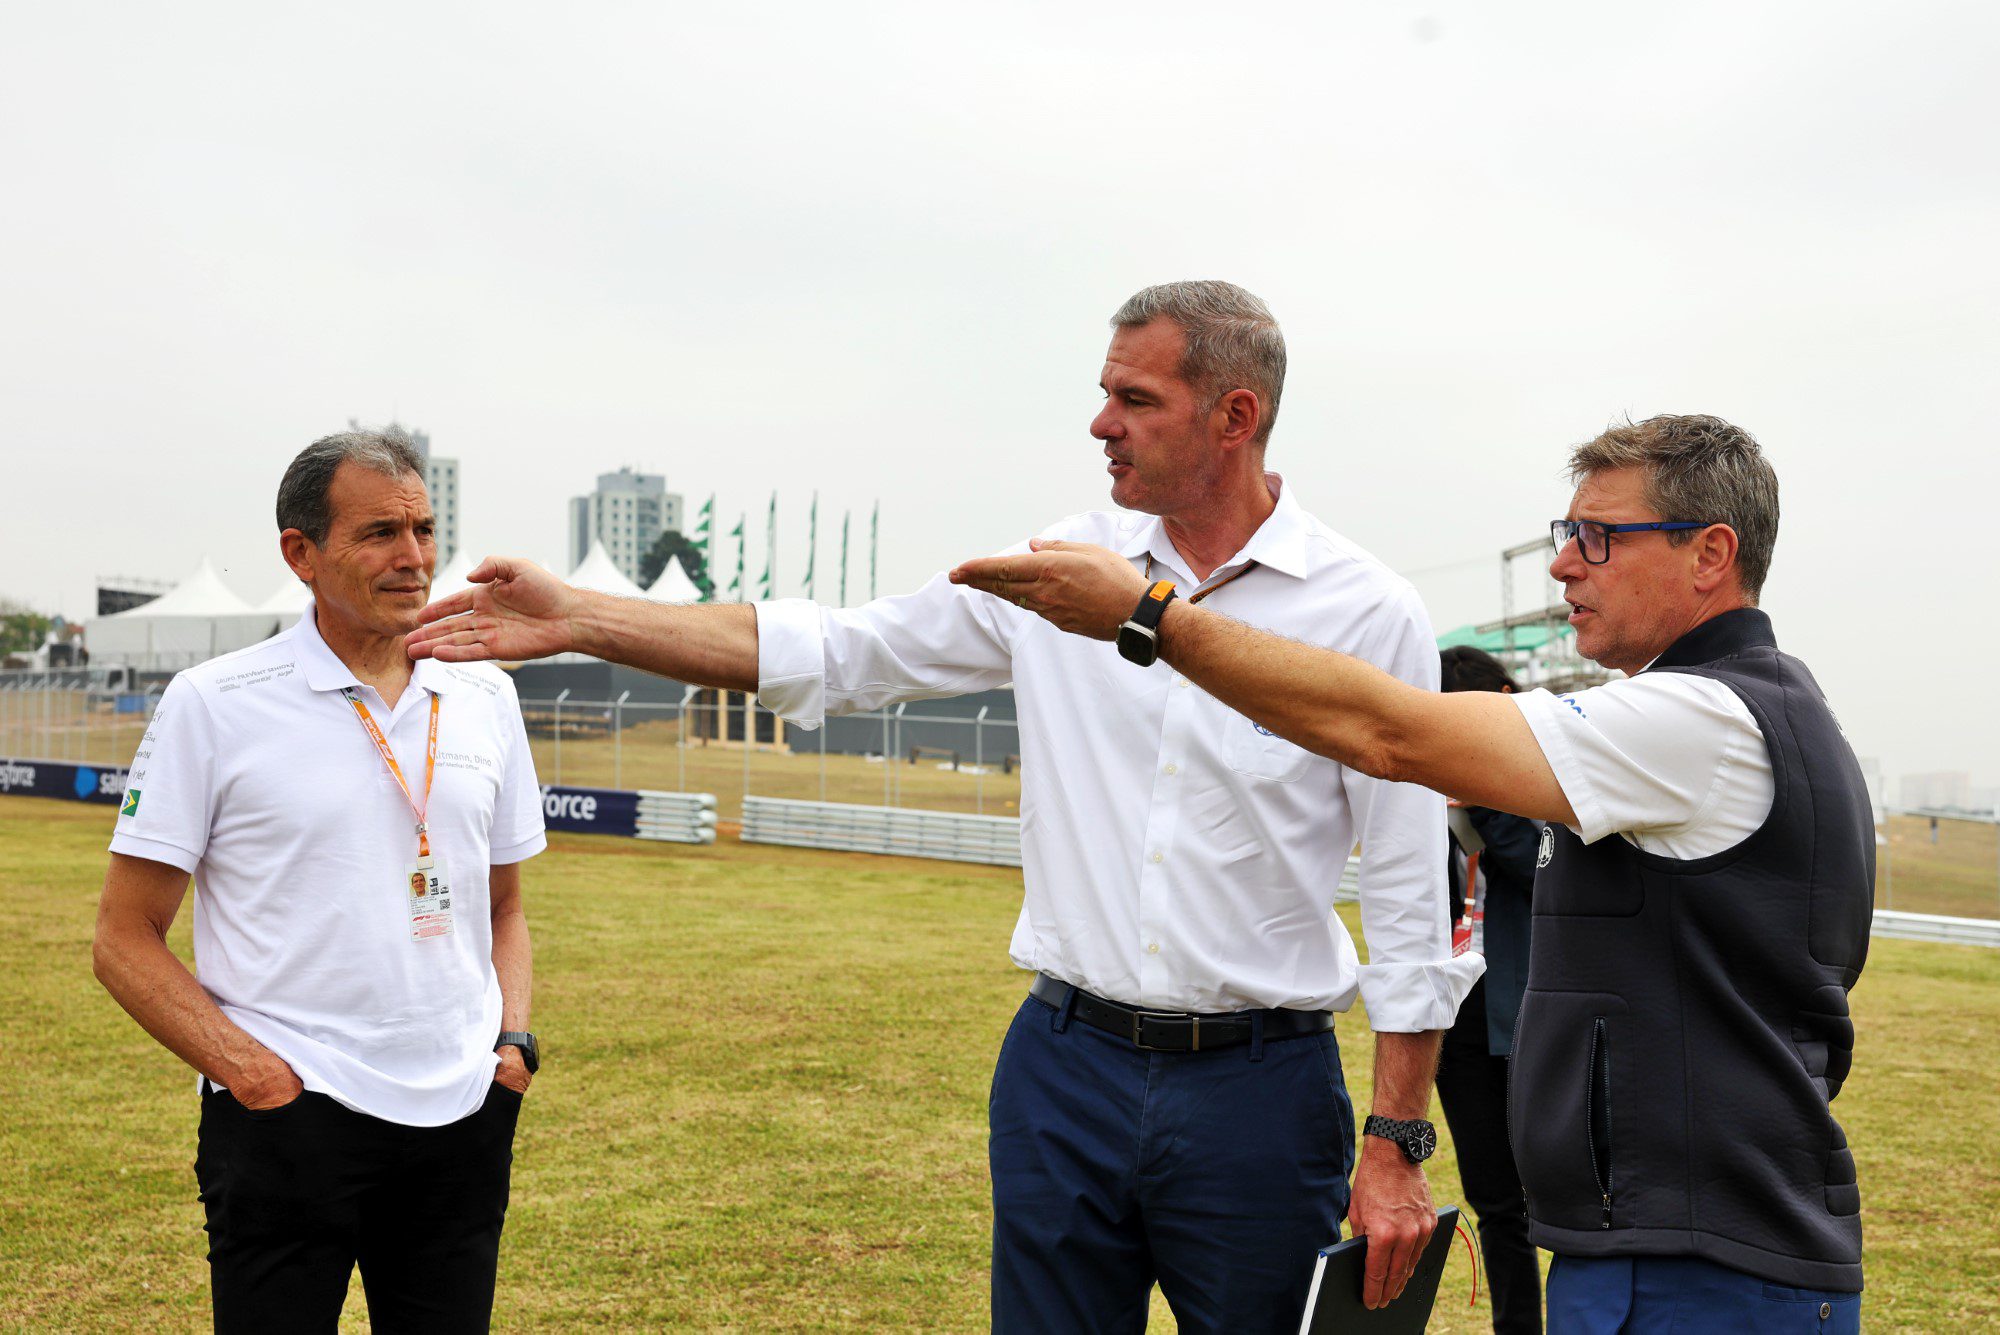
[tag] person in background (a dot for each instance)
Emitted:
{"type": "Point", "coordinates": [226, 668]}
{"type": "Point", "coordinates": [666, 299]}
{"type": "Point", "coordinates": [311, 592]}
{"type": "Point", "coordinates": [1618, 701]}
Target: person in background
{"type": "Point", "coordinates": [1472, 1073]}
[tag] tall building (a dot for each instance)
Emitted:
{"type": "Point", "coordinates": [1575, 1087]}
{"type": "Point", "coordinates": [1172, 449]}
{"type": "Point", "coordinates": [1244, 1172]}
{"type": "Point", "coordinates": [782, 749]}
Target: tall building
{"type": "Point", "coordinates": [440, 480]}
{"type": "Point", "coordinates": [628, 511]}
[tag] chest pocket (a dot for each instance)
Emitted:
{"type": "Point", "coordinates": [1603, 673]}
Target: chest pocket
{"type": "Point", "coordinates": [1261, 754]}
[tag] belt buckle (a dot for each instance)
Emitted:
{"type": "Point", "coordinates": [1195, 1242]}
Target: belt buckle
{"type": "Point", "coordinates": [1194, 1030]}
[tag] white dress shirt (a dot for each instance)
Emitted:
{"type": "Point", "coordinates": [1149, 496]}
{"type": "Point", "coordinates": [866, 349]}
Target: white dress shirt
{"type": "Point", "coordinates": [257, 776]}
{"type": "Point", "coordinates": [1673, 764]}
{"type": "Point", "coordinates": [1175, 855]}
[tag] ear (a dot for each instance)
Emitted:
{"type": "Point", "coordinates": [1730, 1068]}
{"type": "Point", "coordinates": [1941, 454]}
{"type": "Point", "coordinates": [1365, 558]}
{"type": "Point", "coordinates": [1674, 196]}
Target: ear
{"type": "Point", "coordinates": [1715, 550]}
{"type": "Point", "coordinates": [1236, 417]}
{"type": "Point", "coordinates": [298, 551]}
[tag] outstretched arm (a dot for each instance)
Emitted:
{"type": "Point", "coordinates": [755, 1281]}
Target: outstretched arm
{"type": "Point", "coordinates": [515, 610]}
{"type": "Point", "coordinates": [1471, 745]}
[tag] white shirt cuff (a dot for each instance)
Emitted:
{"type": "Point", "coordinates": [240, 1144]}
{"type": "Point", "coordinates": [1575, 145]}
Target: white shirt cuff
{"type": "Point", "coordinates": [1417, 998]}
{"type": "Point", "coordinates": [132, 846]}
{"type": "Point", "coordinates": [791, 661]}
{"type": "Point", "coordinates": [1548, 717]}
{"type": "Point", "coordinates": [521, 852]}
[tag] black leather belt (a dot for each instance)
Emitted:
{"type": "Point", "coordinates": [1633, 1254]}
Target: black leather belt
{"type": "Point", "coordinates": [1178, 1031]}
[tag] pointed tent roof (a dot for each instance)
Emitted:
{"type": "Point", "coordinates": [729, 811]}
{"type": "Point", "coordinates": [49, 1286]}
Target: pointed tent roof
{"type": "Point", "coordinates": [201, 594]}
{"type": "Point", "coordinates": [452, 577]}
{"type": "Point", "coordinates": [290, 599]}
{"type": "Point", "coordinates": [600, 574]}
{"type": "Point", "coordinates": [674, 585]}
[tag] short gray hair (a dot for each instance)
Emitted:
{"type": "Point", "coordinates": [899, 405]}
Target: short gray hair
{"type": "Point", "coordinates": [1233, 340]}
{"type": "Point", "coordinates": [302, 502]}
{"type": "Point", "coordinates": [1697, 468]}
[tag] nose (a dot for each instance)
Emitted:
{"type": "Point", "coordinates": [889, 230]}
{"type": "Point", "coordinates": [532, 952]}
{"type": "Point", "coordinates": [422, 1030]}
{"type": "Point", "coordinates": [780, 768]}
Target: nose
{"type": "Point", "coordinates": [1106, 426]}
{"type": "Point", "coordinates": [1569, 563]}
{"type": "Point", "coordinates": [410, 551]}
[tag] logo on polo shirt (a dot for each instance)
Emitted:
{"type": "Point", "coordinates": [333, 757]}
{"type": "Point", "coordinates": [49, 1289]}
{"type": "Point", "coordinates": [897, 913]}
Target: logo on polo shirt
{"type": "Point", "coordinates": [131, 806]}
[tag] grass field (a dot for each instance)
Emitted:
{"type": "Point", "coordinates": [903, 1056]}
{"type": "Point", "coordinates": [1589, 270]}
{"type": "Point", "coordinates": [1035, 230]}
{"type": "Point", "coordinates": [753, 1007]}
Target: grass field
{"type": "Point", "coordinates": [726, 1136]}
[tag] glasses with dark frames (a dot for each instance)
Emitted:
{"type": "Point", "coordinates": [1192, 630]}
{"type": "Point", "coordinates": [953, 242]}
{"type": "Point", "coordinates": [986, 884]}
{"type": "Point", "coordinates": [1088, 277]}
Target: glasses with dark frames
{"type": "Point", "coordinates": [1593, 539]}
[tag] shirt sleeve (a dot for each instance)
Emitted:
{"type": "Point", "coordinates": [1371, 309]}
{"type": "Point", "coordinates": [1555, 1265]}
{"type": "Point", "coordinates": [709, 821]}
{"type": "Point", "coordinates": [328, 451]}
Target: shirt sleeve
{"type": "Point", "coordinates": [944, 639]}
{"type": "Point", "coordinates": [1411, 983]}
{"type": "Point", "coordinates": [518, 831]}
{"type": "Point", "coordinates": [1662, 754]}
{"type": "Point", "coordinates": [169, 802]}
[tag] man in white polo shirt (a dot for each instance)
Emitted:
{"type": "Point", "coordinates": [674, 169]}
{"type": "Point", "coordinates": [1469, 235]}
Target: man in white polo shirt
{"type": "Point", "coordinates": [355, 828]}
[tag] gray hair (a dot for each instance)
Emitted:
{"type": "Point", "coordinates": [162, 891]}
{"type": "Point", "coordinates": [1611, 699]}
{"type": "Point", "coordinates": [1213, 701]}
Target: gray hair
{"type": "Point", "coordinates": [1233, 340]}
{"type": "Point", "coordinates": [302, 502]}
{"type": "Point", "coordinates": [1697, 468]}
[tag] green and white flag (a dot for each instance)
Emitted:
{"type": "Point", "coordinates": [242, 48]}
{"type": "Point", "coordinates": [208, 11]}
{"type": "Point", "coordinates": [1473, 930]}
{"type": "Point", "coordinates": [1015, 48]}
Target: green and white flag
{"type": "Point", "coordinates": [845, 515]}
{"type": "Point", "coordinates": [771, 551]}
{"type": "Point", "coordinates": [736, 586]}
{"type": "Point", "coordinates": [812, 544]}
{"type": "Point", "coordinates": [704, 538]}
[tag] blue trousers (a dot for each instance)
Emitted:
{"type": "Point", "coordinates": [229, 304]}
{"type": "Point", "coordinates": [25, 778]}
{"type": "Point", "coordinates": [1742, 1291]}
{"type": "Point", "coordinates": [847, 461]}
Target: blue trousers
{"type": "Point", "coordinates": [1218, 1174]}
{"type": "Point", "coordinates": [1667, 1295]}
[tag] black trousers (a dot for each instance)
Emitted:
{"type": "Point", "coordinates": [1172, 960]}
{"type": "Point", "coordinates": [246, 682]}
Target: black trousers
{"type": "Point", "coordinates": [297, 1196]}
{"type": "Point", "coordinates": [1472, 1087]}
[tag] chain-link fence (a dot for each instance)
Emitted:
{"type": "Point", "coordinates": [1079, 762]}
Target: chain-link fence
{"type": "Point", "coordinates": [1938, 862]}
{"type": "Point", "coordinates": [73, 715]}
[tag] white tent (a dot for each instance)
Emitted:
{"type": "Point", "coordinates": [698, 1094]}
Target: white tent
{"type": "Point", "coordinates": [453, 577]}
{"type": "Point", "coordinates": [288, 602]}
{"type": "Point", "coordinates": [600, 574]}
{"type": "Point", "coordinates": [195, 620]}
{"type": "Point", "coordinates": [674, 585]}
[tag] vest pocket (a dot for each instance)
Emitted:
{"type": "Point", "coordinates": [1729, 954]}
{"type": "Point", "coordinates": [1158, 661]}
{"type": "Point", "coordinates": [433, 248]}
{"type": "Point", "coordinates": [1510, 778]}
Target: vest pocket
{"type": "Point", "coordinates": [1561, 1106]}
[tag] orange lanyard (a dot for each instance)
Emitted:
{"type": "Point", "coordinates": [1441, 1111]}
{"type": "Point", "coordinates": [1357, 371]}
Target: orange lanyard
{"type": "Point", "coordinates": [1198, 596]}
{"type": "Point", "coordinates": [396, 771]}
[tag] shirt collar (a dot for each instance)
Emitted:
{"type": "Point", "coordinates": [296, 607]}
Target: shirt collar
{"type": "Point", "coordinates": [1279, 542]}
{"type": "Point", "coordinates": [325, 672]}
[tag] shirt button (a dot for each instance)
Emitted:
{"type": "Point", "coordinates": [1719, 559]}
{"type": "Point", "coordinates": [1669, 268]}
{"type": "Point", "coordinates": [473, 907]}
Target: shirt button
{"type": "Point", "coordinates": [1171, 770]}
{"type": "Point", "coordinates": [1152, 947]}
{"type": "Point", "coordinates": [1180, 681]}
{"type": "Point", "coordinates": [1159, 856]}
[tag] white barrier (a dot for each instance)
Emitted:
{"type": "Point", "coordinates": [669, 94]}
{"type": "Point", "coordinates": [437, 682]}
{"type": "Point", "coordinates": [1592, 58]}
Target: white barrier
{"type": "Point", "coordinates": [1933, 927]}
{"type": "Point", "coordinates": [947, 835]}
{"type": "Point", "coordinates": [680, 818]}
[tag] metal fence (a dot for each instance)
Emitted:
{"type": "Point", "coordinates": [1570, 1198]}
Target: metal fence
{"type": "Point", "coordinates": [904, 757]}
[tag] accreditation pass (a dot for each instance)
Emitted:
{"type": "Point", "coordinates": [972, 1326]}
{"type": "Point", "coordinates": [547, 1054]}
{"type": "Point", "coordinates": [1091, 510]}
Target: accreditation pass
{"type": "Point", "coordinates": [430, 900]}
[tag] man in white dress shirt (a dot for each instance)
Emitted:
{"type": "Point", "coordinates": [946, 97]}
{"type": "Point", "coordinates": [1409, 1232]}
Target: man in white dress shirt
{"type": "Point", "coordinates": [1704, 893]}
{"type": "Point", "coordinates": [1168, 1104]}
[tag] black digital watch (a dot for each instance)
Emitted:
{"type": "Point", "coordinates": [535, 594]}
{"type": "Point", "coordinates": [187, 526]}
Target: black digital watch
{"type": "Point", "coordinates": [1139, 638]}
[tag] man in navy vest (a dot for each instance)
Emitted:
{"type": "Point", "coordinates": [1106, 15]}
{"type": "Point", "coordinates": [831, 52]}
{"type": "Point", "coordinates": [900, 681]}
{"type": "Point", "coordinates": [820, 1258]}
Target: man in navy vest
{"type": "Point", "coordinates": [1704, 893]}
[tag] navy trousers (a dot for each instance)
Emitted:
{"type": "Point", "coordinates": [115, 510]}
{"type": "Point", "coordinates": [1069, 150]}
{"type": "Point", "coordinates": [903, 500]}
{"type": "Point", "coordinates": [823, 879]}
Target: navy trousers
{"type": "Point", "coordinates": [1217, 1174]}
{"type": "Point", "coordinates": [1673, 1295]}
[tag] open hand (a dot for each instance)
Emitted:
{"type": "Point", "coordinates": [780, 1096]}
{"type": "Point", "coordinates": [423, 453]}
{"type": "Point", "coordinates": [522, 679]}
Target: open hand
{"type": "Point", "coordinates": [1079, 588]}
{"type": "Point", "coordinates": [514, 610]}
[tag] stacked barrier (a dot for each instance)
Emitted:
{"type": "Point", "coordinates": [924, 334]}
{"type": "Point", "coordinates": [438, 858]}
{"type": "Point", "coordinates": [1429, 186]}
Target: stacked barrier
{"type": "Point", "coordinates": [946, 835]}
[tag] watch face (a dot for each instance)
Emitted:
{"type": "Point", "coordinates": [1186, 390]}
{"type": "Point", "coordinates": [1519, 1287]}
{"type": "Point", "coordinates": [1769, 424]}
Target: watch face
{"type": "Point", "coordinates": [1422, 1142]}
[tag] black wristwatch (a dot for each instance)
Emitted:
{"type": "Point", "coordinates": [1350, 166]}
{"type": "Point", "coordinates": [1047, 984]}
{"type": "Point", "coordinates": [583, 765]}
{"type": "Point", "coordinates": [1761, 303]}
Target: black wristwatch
{"type": "Point", "coordinates": [1417, 1138]}
{"type": "Point", "coordinates": [531, 1056]}
{"type": "Point", "coordinates": [1139, 638]}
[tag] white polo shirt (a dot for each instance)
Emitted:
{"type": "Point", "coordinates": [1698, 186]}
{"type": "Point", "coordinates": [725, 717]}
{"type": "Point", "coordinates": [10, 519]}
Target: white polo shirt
{"type": "Point", "coordinates": [1176, 855]}
{"type": "Point", "coordinates": [257, 777]}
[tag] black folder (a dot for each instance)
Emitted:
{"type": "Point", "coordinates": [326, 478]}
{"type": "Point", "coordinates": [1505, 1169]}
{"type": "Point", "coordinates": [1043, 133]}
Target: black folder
{"type": "Point", "coordinates": [1334, 1306]}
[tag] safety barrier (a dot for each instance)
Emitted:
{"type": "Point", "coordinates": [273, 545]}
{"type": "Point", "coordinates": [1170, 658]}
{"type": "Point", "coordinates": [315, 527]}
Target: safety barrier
{"type": "Point", "coordinates": [680, 818]}
{"type": "Point", "coordinates": [1933, 927]}
{"type": "Point", "coordinates": [946, 835]}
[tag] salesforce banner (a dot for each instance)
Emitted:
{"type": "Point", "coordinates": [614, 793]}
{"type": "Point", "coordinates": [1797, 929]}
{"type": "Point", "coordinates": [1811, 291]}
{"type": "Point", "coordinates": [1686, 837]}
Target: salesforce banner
{"type": "Point", "coordinates": [591, 810]}
{"type": "Point", "coordinates": [48, 778]}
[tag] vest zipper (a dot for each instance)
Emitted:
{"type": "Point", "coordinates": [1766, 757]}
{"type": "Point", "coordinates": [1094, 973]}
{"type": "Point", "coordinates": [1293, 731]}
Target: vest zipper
{"type": "Point", "coordinates": [1597, 1104]}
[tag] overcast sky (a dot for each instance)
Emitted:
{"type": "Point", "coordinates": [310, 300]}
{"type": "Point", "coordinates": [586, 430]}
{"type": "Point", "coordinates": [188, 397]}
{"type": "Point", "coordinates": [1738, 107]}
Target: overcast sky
{"type": "Point", "coordinates": [871, 250]}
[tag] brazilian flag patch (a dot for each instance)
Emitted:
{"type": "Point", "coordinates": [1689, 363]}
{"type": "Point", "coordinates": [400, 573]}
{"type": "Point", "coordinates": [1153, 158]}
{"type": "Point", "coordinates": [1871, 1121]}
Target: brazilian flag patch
{"type": "Point", "coordinates": [131, 807]}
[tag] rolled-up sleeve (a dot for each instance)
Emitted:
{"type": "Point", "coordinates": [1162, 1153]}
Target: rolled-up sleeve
{"type": "Point", "coordinates": [944, 639]}
{"type": "Point", "coordinates": [1411, 982]}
